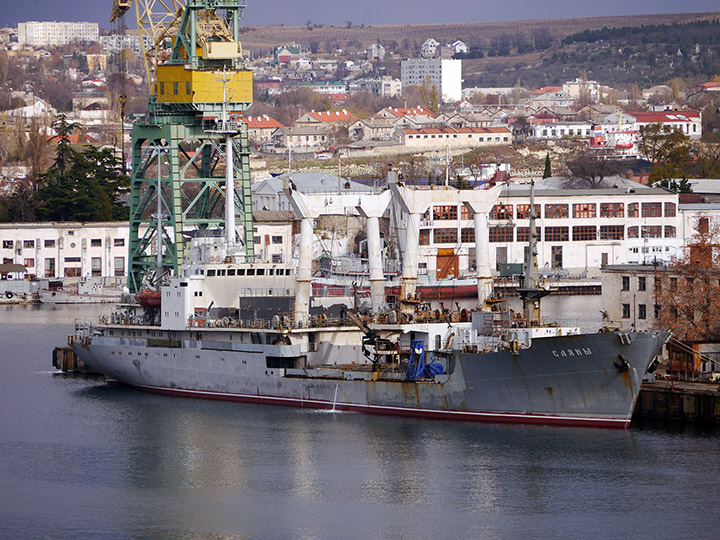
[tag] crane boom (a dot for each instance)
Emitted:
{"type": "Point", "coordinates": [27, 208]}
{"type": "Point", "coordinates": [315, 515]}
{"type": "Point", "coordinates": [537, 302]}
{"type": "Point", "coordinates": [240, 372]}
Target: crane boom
{"type": "Point", "coordinates": [120, 7]}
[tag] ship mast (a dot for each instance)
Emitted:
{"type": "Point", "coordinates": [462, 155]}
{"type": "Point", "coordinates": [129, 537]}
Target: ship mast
{"type": "Point", "coordinates": [530, 292]}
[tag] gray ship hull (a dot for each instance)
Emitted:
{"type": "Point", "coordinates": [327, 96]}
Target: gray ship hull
{"type": "Point", "coordinates": [588, 380]}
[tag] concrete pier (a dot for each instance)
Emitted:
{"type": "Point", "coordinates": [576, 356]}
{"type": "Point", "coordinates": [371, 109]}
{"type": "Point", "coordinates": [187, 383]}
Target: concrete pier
{"type": "Point", "coordinates": [674, 400]}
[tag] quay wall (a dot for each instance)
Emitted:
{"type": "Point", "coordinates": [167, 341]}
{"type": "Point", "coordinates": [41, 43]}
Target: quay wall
{"type": "Point", "coordinates": [689, 402]}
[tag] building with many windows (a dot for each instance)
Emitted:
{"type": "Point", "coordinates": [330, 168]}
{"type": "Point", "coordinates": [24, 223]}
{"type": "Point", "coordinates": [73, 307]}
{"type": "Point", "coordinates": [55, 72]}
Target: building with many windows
{"type": "Point", "coordinates": [55, 34]}
{"type": "Point", "coordinates": [58, 250]}
{"type": "Point", "coordinates": [114, 43]}
{"type": "Point", "coordinates": [443, 73]}
{"type": "Point", "coordinates": [422, 140]}
{"type": "Point", "coordinates": [630, 295]}
{"type": "Point", "coordinates": [579, 231]}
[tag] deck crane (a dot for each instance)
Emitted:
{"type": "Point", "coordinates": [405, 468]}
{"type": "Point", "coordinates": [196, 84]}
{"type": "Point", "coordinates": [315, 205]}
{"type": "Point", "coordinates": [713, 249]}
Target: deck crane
{"type": "Point", "coordinates": [198, 87]}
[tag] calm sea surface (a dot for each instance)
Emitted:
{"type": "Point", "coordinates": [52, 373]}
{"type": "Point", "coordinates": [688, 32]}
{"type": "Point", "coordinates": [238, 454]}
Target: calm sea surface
{"type": "Point", "coordinates": [79, 459]}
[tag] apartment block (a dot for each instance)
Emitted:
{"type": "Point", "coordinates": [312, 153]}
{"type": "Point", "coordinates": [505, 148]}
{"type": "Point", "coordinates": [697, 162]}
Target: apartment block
{"type": "Point", "coordinates": [54, 34]}
{"type": "Point", "coordinates": [444, 74]}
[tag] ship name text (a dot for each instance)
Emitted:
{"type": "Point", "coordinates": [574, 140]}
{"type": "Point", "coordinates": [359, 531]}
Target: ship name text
{"type": "Point", "coordinates": [572, 352]}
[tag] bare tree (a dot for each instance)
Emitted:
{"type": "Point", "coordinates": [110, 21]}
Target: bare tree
{"type": "Point", "coordinates": [688, 292]}
{"type": "Point", "coordinates": [414, 168]}
{"type": "Point", "coordinates": [589, 168]}
{"type": "Point", "coordinates": [37, 151]}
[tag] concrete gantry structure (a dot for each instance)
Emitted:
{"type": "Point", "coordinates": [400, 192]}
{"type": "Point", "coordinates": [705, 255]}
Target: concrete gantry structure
{"type": "Point", "coordinates": [483, 271]}
{"type": "Point", "coordinates": [372, 208]}
{"type": "Point", "coordinates": [415, 202]}
{"type": "Point", "coordinates": [311, 207]}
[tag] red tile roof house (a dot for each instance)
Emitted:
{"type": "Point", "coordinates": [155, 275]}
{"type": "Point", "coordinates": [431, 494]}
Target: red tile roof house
{"type": "Point", "coordinates": [327, 119]}
{"type": "Point", "coordinates": [687, 121]}
{"type": "Point", "coordinates": [261, 128]}
{"type": "Point", "coordinates": [391, 113]}
{"type": "Point", "coordinates": [708, 87]}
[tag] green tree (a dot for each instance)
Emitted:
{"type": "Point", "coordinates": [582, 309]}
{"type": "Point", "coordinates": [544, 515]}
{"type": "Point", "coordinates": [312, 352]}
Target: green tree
{"type": "Point", "coordinates": [64, 129]}
{"type": "Point", "coordinates": [678, 186]}
{"type": "Point", "coordinates": [667, 149]}
{"type": "Point", "coordinates": [87, 190]}
{"type": "Point", "coordinates": [547, 173]}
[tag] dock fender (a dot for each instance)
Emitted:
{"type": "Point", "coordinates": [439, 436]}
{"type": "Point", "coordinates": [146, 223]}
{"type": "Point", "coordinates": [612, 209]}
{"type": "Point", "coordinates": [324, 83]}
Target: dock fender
{"type": "Point", "coordinates": [653, 365]}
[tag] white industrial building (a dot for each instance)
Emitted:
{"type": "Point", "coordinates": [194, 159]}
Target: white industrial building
{"type": "Point", "coordinates": [55, 34]}
{"type": "Point", "coordinates": [579, 230]}
{"type": "Point", "coordinates": [444, 74]}
{"type": "Point", "coordinates": [57, 250]}
{"type": "Point", "coordinates": [562, 130]}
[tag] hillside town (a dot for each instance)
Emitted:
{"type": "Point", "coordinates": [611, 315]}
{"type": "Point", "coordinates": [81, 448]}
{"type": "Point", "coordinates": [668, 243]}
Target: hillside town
{"type": "Point", "coordinates": [378, 270]}
{"type": "Point", "coordinates": [623, 177]}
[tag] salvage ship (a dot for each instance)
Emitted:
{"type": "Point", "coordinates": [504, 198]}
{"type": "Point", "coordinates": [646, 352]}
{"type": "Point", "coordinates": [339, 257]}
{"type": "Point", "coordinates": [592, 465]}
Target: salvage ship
{"type": "Point", "coordinates": [240, 330]}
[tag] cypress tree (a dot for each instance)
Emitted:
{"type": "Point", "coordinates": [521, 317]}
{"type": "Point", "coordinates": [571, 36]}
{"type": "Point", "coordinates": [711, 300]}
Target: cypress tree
{"type": "Point", "coordinates": [548, 171]}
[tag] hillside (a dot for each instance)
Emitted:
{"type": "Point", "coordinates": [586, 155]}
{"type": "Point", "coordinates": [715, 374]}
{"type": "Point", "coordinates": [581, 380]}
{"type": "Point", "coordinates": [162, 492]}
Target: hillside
{"type": "Point", "coordinates": [406, 37]}
{"type": "Point", "coordinates": [645, 56]}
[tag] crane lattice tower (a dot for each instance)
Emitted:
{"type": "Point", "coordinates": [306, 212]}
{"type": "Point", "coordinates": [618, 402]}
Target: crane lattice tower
{"type": "Point", "coordinates": [198, 88]}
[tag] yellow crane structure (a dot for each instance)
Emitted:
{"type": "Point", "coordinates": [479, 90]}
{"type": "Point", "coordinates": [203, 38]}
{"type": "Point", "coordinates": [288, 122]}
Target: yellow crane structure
{"type": "Point", "coordinates": [198, 89]}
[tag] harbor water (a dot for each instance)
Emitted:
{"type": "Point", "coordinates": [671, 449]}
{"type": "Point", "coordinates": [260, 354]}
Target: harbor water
{"type": "Point", "coordinates": [81, 459]}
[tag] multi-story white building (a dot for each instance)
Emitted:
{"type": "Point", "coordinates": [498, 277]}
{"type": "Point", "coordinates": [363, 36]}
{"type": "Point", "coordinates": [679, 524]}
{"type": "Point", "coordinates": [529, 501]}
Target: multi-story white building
{"type": "Point", "coordinates": [56, 250]}
{"type": "Point", "coordinates": [385, 86]}
{"type": "Point", "coordinates": [562, 130]}
{"type": "Point", "coordinates": [579, 230]}
{"type": "Point", "coordinates": [429, 48]}
{"type": "Point", "coordinates": [686, 121]}
{"type": "Point", "coordinates": [55, 34]}
{"type": "Point", "coordinates": [459, 47]}
{"type": "Point", "coordinates": [375, 52]}
{"type": "Point", "coordinates": [443, 73]}
{"type": "Point", "coordinates": [580, 88]}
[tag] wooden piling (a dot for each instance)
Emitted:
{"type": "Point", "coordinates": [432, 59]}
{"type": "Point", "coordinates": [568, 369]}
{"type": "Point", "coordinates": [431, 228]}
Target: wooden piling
{"type": "Point", "coordinates": [65, 359]}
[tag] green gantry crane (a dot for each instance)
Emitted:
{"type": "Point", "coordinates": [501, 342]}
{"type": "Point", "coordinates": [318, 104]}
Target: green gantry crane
{"type": "Point", "coordinates": [198, 88]}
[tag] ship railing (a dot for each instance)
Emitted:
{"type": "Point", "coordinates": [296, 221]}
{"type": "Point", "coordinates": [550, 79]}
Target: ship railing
{"type": "Point", "coordinates": [280, 322]}
{"type": "Point", "coordinates": [344, 188]}
{"type": "Point", "coordinates": [83, 329]}
{"type": "Point", "coordinates": [264, 292]}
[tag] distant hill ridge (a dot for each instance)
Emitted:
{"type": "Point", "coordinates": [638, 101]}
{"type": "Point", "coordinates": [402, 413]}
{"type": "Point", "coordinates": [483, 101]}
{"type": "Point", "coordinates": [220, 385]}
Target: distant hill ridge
{"type": "Point", "coordinates": [475, 34]}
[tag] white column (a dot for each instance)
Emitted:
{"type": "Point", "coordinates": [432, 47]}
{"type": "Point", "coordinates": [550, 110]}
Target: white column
{"type": "Point", "coordinates": [482, 270]}
{"type": "Point", "coordinates": [304, 273]}
{"type": "Point", "coordinates": [229, 195]}
{"type": "Point", "coordinates": [377, 277]}
{"type": "Point", "coordinates": [410, 261]}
